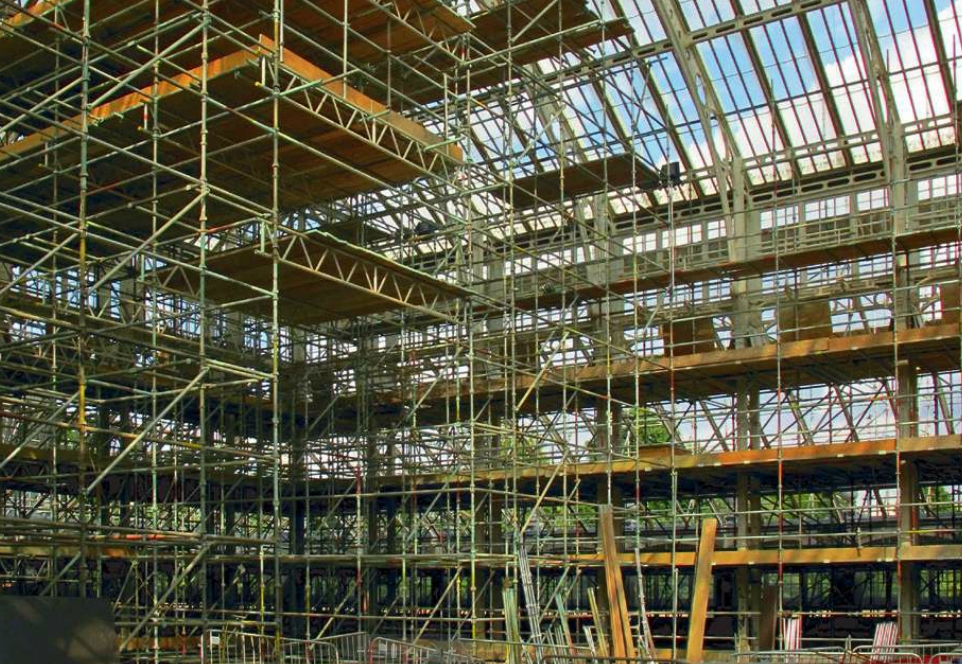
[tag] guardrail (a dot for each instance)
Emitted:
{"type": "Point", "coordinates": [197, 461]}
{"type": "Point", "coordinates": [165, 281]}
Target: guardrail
{"type": "Point", "coordinates": [228, 647]}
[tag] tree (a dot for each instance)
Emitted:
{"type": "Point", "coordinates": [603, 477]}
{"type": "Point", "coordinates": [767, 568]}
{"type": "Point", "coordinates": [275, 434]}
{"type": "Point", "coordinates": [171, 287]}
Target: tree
{"type": "Point", "coordinates": [646, 427]}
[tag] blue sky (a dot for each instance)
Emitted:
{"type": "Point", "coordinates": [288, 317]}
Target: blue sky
{"type": "Point", "coordinates": [798, 112]}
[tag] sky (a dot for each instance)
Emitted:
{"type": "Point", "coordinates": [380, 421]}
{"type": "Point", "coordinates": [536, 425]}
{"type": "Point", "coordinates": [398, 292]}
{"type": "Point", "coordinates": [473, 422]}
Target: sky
{"type": "Point", "coordinates": [776, 103]}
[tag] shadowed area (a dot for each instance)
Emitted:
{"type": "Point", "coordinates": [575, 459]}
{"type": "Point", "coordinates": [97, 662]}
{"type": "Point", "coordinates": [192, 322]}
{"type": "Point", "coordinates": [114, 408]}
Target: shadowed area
{"type": "Point", "coordinates": [56, 630]}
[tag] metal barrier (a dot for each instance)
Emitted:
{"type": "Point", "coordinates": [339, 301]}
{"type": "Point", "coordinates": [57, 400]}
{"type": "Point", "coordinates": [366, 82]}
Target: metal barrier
{"type": "Point", "coordinates": [390, 651]}
{"type": "Point", "coordinates": [953, 656]}
{"type": "Point", "coordinates": [235, 647]}
{"type": "Point", "coordinates": [860, 655]}
{"type": "Point", "coordinates": [228, 647]}
{"type": "Point", "coordinates": [567, 658]}
{"type": "Point", "coordinates": [874, 654]}
{"type": "Point", "coordinates": [940, 652]}
{"type": "Point", "coordinates": [529, 653]}
{"type": "Point", "coordinates": [809, 656]}
{"type": "Point", "coordinates": [351, 647]}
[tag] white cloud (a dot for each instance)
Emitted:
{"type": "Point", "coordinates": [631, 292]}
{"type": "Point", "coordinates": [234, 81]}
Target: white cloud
{"type": "Point", "coordinates": [919, 94]}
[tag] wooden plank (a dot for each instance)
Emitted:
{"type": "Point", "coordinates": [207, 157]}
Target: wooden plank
{"type": "Point", "coordinates": [768, 619]}
{"type": "Point", "coordinates": [622, 642]}
{"type": "Point", "coordinates": [310, 72]}
{"type": "Point", "coordinates": [380, 24]}
{"type": "Point", "coordinates": [524, 52]}
{"type": "Point", "coordinates": [22, 61]}
{"type": "Point", "coordinates": [689, 336]}
{"type": "Point", "coordinates": [129, 102]}
{"type": "Point", "coordinates": [398, 26]}
{"type": "Point", "coordinates": [814, 557]}
{"type": "Point", "coordinates": [804, 320]}
{"type": "Point", "coordinates": [537, 31]}
{"type": "Point", "coordinates": [791, 456]}
{"type": "Point", "coordinates": [659, 277]}
{"type": "Point", "coordinates": [578, 180]}
{"type": "Point", "coordinates": [702, 588]}
{"type": "Point", "coordinates": [705, 374]}
{"type": "Point", "coordinates": [319, 158]}
{"type": "Point", "coordinates": [528, 51]}
{"type": "Point", "coordinates": [533, 20]}
{"type": "Point", "coordinates": [321, 278]}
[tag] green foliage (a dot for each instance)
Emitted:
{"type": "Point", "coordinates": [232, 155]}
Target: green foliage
{"type": "Point", "coordinates": [577, 517]}
{"type": "Point", "coordinates": [940, 501]}
{"type": "Point", "coordinates": [647, 428]}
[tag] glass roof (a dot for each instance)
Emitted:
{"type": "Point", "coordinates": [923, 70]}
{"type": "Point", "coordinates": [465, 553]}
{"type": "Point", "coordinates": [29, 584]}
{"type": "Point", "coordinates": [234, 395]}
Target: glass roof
{"type": "Point", "coordinates": [788, 86]}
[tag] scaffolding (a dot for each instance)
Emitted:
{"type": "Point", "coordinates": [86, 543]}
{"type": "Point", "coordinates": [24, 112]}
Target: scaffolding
{"type": "Point", "coordinates": [326, 323]}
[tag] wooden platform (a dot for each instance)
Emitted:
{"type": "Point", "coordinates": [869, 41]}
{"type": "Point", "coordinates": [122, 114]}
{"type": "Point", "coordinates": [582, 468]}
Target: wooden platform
{"type": "Point", "coordinates": [868, 555]}
{"type": "Point", "coordinates": [320, 279]}
{"type": "Point", "coordinates": [398, 26]}
{"type": "Point", "coordinates": [534, 35]}
{"type": "Point", "coordinates": [529, 28]}
{"type": "Point", "coordinates": [335, 142]}
{"type": "Point", "coordinates": [826, 464]}
{"type": "Point", "coordinates": [815, 467]}
{"type": "Point", "coordinates": [552, 187]}
{"type": "Point", "coordinates": [654, 276]}
{"type": "Point", "coordinates": [792, 363]}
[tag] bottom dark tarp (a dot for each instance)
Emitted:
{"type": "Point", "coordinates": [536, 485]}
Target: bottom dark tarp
{"type": "Point", "coordinates": [56, 630]}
